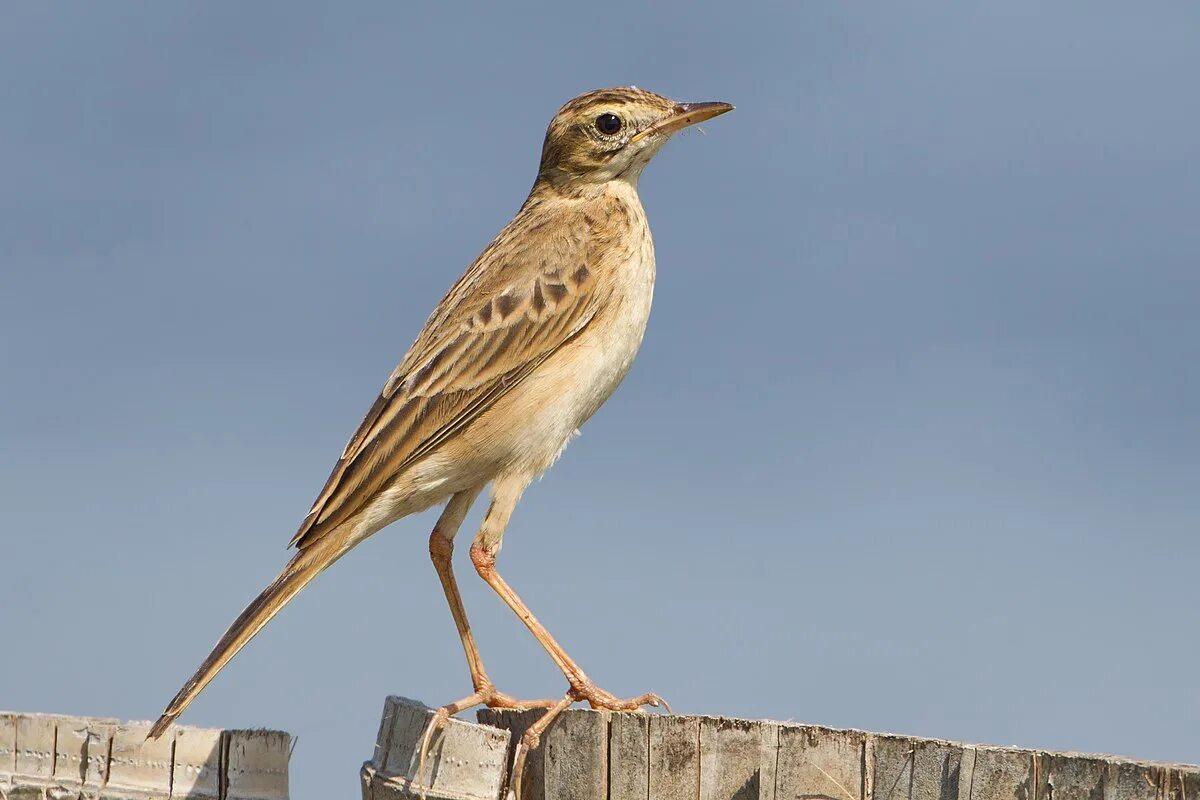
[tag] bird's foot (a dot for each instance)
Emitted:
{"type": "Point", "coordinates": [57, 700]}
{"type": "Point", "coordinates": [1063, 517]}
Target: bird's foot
{"type": "Point", "coordinates": [584, 690]}
{"type": "Point", "coordinates": [485, 694]}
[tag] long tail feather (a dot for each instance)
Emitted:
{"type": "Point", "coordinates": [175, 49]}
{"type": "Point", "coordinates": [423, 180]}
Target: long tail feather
{"type": "Point", "coordinates": [295, 576]}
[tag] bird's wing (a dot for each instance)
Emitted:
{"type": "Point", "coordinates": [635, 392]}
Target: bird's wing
{"type": "Point", "coordinates": [524, 298]}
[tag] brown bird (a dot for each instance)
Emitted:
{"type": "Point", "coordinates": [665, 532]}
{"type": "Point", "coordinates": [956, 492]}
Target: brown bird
{"type": "Point", "coordinates": [521, 351]}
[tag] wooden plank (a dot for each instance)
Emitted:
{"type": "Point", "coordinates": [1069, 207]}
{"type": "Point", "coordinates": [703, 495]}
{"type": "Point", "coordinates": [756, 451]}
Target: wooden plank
{"type": "Point", "coordinates": [1132, 781]}
{"type": "Point", "coordinates": [674, 758]}
{"type": "Point", "coordinates": [408, 722]}
{"type": "Point", "coordinates": [819, 762]}
{"type": "Point", "coordinates": [629, 757]}
{"type": "Point", "coordinates": [256, 764]}
{"type": "Point", "coordinates": [1188, 783]}
{"type": "Point", "coordinates": [196, 771]}
{"type": "Point", "coordinates": [383, 738]}
{"type": "Point", "coordinates": [464, 762]}
{"type": "Point", "coordinates": [732, 759]}
{"type": "Point", "coordinates": [516, 723]}
{"type": "Point", "coordinates": [904, 768]}
{"type": "Point", "coordinates": [769, 750]}
{"type": "Point", "coordinates": [35, 745]}
{"type": "Point", "coordinates": [893, 766]}
{"type": "Point", "coordinates": [70, 751]}
{"type": "Point", "coordinates": [571, 760]}
{"type": "Point", "coordinates": [138, 765]}
{"type": "Point", "coordinates": [95, 758]}
{"type": "Point", "coordinates": [966, 774]}
{"type": "Point", "coordinates": [936, 769]}
{"type": "Point", "coordinates": [639, 757]}
{"type": "Point", "coordinates": [96, 753]}
{"type": "Point", "coordinates": [574, 754]}
{"type": "Point", "coordinates": [1002, 773]}
{"type": "Point", "coordinates": [8, 748]}
{"type": "Point", "coordinates": [1062, 776]}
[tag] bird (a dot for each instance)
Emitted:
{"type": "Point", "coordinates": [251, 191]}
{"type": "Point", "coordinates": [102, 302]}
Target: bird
{"type": "Point", "coordinates": [520, 352]}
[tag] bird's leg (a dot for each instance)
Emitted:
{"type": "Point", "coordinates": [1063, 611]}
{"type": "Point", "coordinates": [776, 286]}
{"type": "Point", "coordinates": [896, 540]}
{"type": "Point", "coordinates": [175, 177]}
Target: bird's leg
{"type": "Point", "coordinates": [582, 687]}
{"type": "Point", "coordinates": [441, 548]}
{"type": "Point", "coordinates": [441, 551]}
{"type": "Point", "coordinates": [483, 556]}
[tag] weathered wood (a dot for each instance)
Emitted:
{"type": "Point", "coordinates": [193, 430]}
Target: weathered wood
{"type": "Point", "coordinates": [1062, 777]}
{"type": "Point", "coordinates": [44, 756]}
{"type": "Point", "coordinates": [734, 754]}
{"type": "Point", "coordinates": [196, 771]}
{"type": "Point", "coordinates": [515, 727]}
{"type": "Point", "coordinates": [629, 757]}
{"type": "Point", "coordinates": [35, 746]}
{"type": "Point", "coordinates": [136, 764]}
{"type": "Point", "coordinates": [464, 762]}
{"type": "Point", "coordinates": [820, 762]}
{"type": "Point", "coordinates": [256, 764]}
{"type": "Point", "coordinates": [572, 761]}
{"type": "Point", "coordinates": [674, 757]}
{"type": "Point", "coordinates": [81, 752]}
{"type": "Point", "coordinates": [1002, 774]}
{"type": "Point", "coordinates": [575, 759]}
{"type": "Point", "coordinates": [8, 749]}
{"type": "Point", "coordinates": [892, 766]}
{"type": "Point", "coordinates": [590, 754]}
{"type": "Point", "coordinates": [936, 770]}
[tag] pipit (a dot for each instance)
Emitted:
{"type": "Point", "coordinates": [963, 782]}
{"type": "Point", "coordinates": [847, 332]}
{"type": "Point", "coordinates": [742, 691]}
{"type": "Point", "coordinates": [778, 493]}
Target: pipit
{"type": "Point", "coordinates": [521, 351]}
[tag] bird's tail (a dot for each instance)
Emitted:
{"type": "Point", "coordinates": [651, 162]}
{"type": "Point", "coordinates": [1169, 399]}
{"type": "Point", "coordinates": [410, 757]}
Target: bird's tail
{"type": "Point", "coordinates": [303, 567]}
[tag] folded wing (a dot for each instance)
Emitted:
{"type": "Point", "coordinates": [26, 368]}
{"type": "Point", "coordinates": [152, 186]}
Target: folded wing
{"type": "Point", "coordinates": [522, 300]}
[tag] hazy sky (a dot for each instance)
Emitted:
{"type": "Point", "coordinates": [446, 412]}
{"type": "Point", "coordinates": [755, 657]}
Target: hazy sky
{"type": "Point", "coordinates": [913, 442]}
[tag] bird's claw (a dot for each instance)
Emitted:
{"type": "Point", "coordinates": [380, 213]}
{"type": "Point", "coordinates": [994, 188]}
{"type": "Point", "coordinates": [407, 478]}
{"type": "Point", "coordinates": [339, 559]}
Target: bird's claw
{"type": "Point", "coordinates": [606, 701]}
{"type": "Point", "coordinates": [487, 695]}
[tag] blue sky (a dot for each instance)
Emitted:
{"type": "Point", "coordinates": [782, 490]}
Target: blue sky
{"type": "Point", "coordinates": [912, 444]}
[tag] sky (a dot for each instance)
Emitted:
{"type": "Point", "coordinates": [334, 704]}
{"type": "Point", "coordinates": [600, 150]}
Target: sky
{"type": "Point", "coordinates": [912, 444]}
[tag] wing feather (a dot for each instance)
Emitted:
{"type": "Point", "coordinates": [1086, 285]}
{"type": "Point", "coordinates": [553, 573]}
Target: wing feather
{"type": "Point", "coordinates": [511, 311]}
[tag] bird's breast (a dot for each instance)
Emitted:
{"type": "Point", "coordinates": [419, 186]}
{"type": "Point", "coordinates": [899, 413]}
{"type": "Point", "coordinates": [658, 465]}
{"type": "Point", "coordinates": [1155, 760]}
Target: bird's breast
{"type": "Point", "coordinates": [608, 347]}
{"type": "Point", "coordinates": [570, 387]}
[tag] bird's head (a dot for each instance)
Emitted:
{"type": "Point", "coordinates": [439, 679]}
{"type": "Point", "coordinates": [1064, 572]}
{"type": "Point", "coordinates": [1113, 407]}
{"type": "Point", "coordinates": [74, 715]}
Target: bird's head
{"type": "Point", "coordinates": [612, 134]}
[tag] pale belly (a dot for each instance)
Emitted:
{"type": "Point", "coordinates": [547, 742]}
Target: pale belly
{"type": "Point", "coordinates": [553, 403]}
{"type": "Point", "coordinates": [528, 428]}
{"type": "Point", "coordinates": [565, 396]}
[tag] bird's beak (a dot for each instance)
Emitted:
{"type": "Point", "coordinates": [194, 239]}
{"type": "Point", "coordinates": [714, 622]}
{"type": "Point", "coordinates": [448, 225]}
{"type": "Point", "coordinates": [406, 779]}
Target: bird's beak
{"type": "Point", "coordinates": [683, 115]}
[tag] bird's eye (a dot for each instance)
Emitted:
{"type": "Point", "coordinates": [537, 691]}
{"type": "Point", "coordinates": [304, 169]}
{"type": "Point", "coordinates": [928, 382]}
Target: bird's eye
{"type": "Point", "coordinates": [608, 124]}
